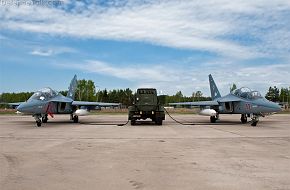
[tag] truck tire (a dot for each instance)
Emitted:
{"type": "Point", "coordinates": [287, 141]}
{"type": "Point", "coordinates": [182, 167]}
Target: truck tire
{"type": "Point", "coordinates": [133, 122]}
{"type": "Point", "coordinates": [158, 121]}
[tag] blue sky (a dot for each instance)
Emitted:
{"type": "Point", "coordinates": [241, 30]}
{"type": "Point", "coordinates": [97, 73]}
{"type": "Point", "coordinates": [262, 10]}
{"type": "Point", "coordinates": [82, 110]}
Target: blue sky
{"type": "Point", "coordinates": [169, 45]}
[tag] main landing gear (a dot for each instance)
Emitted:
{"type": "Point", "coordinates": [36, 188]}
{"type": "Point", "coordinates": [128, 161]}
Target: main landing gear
{"type": "Point", "coordinates": [213, 119]}
{"type": "Point", "coordinates": [244, 118]}
{"type": "Point", "coordinates": [74, 118]}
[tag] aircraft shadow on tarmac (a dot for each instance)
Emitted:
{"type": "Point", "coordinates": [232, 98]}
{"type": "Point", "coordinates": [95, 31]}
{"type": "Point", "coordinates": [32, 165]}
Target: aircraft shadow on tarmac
{"type": "Point", "coordinates": [138, 123]}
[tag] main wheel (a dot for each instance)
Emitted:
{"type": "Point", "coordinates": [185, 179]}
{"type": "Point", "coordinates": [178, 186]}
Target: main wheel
{"type": "Point", "coordinates": [212, 119]}
{"type": "Point", "coordinates": [76, 119]}
{"type": "Point", "coordinates": [244, 118]}
{"type": "Point", "coordinates": [133, 122]}
{"type": "Point", "coordinates": [158, 121]}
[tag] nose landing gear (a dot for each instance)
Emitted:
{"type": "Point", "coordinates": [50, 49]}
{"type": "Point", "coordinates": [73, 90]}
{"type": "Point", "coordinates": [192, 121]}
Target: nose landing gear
{"type": "Point", "coordinates": [44, 118]}
{"type": "Point", "coordinates": [37, 120]}
{"type": "Point", "coordinates": [255, 120]}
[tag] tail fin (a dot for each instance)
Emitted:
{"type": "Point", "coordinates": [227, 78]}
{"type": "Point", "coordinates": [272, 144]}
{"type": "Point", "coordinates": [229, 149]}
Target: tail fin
{"type": "Point", "coordinates": [72, 88]}
{"type": "Point", "coordinates": [213, 89]}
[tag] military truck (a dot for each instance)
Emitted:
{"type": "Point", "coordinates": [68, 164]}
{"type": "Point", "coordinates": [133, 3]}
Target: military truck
{"type": "Point", "coordinates": [146, 105]}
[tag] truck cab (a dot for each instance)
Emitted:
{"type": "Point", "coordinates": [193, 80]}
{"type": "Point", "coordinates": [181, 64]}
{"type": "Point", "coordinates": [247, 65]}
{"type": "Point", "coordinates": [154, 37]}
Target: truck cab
{"type": "Point", "coordinates": [146, 105]}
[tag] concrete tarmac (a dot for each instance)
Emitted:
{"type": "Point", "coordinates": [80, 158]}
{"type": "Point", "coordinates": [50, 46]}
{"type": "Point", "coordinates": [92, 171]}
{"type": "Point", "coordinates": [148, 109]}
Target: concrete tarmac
{"type": "Point", "coordinates": [62, 155]}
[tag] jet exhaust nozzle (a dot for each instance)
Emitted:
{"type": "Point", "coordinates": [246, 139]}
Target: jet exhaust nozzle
{"type": "Point", "coordinates": [81, 112]}
{"type": "Point", "coordinates": [208, 112]}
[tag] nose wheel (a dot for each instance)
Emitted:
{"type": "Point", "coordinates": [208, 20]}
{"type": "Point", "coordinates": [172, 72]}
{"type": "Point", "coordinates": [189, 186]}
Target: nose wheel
{"type": "Point", "coordinates": [44, 118]}
{"type": "Point", "coordinates": [38, 120]}
{"type": "Point", "coordinates": [38, 123]}
{"type": "Point", "coordinates": [255, 120]}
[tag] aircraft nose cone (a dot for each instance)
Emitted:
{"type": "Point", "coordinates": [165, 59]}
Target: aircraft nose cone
{"type": "Point", "coordinates": [277, 107]}
{"type": "Point", "coordinates": [20, 108]}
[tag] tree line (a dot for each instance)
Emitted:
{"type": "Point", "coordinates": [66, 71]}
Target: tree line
{"type": "Point", "coordinates": [86, 91]}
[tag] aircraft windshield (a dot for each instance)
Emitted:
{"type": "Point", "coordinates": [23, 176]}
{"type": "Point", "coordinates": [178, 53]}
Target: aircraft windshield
{"type": "Point", "coordinates": [44, 94]}
{"type": "Point", "coordinates": [247, 93]}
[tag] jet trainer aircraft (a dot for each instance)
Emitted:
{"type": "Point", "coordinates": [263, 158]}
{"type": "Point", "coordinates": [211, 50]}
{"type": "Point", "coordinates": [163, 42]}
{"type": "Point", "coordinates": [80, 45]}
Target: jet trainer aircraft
{"type": "Point", "coordinates": [241, 101]}
{"type": "Point", "coordinates": [46, 102]}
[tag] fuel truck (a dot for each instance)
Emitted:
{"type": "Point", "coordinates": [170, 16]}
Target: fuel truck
{"type": "Point", "coordinates": [146, 105]}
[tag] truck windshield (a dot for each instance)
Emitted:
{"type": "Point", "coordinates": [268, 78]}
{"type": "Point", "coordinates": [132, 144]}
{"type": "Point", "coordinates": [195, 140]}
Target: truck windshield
{"type": "Point", "coordinates": [146, 91]}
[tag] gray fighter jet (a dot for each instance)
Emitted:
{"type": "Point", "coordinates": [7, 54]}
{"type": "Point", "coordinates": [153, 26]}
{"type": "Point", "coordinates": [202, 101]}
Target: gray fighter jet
{"type": "Point", "coordinates": [242, 101]}
{"type": "Point", "coordinates": [46, 102]}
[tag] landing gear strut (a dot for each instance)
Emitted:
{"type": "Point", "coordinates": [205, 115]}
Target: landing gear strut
{"type": "Point", "coordinates": [214, 118]}
{"type": "Point", "coordinates": [255, 120]}
{"type": "Point", "coordinates": [244, 118]}
{"type": "Point", "coordinates": [44, 118]}
{"type": "Point", "coordinates": [38, 120]}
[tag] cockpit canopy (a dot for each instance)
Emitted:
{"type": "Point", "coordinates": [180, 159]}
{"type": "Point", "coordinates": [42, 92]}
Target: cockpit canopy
{"type": "Point", "coordinates": [44, 94]}
{"type": "Point", "coordinates": [247, 93]}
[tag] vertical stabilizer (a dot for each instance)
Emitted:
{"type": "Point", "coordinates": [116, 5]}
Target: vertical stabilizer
{"type": "Point", "coordinates": [72, 88]}
{"type": "Point", "coordinates": [213, 89]}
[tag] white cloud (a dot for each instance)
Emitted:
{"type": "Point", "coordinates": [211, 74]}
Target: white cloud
{"type": "Point", "coordinates": [234, 30]}
{"type": "Point", "coordinates": [156, 73]}
{"type": "Point", "coordinates": [50, 51]}
{"type": "Point", "coordinates": [42, 52]}
{"type": "Point", "coordinates": [190, 79]}
{"type": "Point", "coordinates": [200, 25]}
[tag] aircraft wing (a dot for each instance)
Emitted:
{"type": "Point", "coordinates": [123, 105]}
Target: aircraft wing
{"type": "Point", "coordinates": [200, 103]}
{"type": "Point", "coordinates": [13, 105]}
{"type": "Point", "coordinates": [102, 104]}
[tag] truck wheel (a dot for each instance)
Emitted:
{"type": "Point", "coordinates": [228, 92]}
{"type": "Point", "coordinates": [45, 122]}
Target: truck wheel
{"type": "Point", "coordinates": [158, 121]}
{"type": "Point", "coordinates": [133, 122]}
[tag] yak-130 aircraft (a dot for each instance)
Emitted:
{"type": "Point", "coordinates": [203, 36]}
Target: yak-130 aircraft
{"type": "Point", "coordinates": [46, 102]}
{"type": "Point", "coordinates": [242, 101]}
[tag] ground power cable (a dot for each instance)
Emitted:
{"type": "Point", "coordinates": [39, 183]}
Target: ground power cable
{"type": "Point", "coordinates": [179, 122]}
{"type": "Point", "coordinates": [117, 124]}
